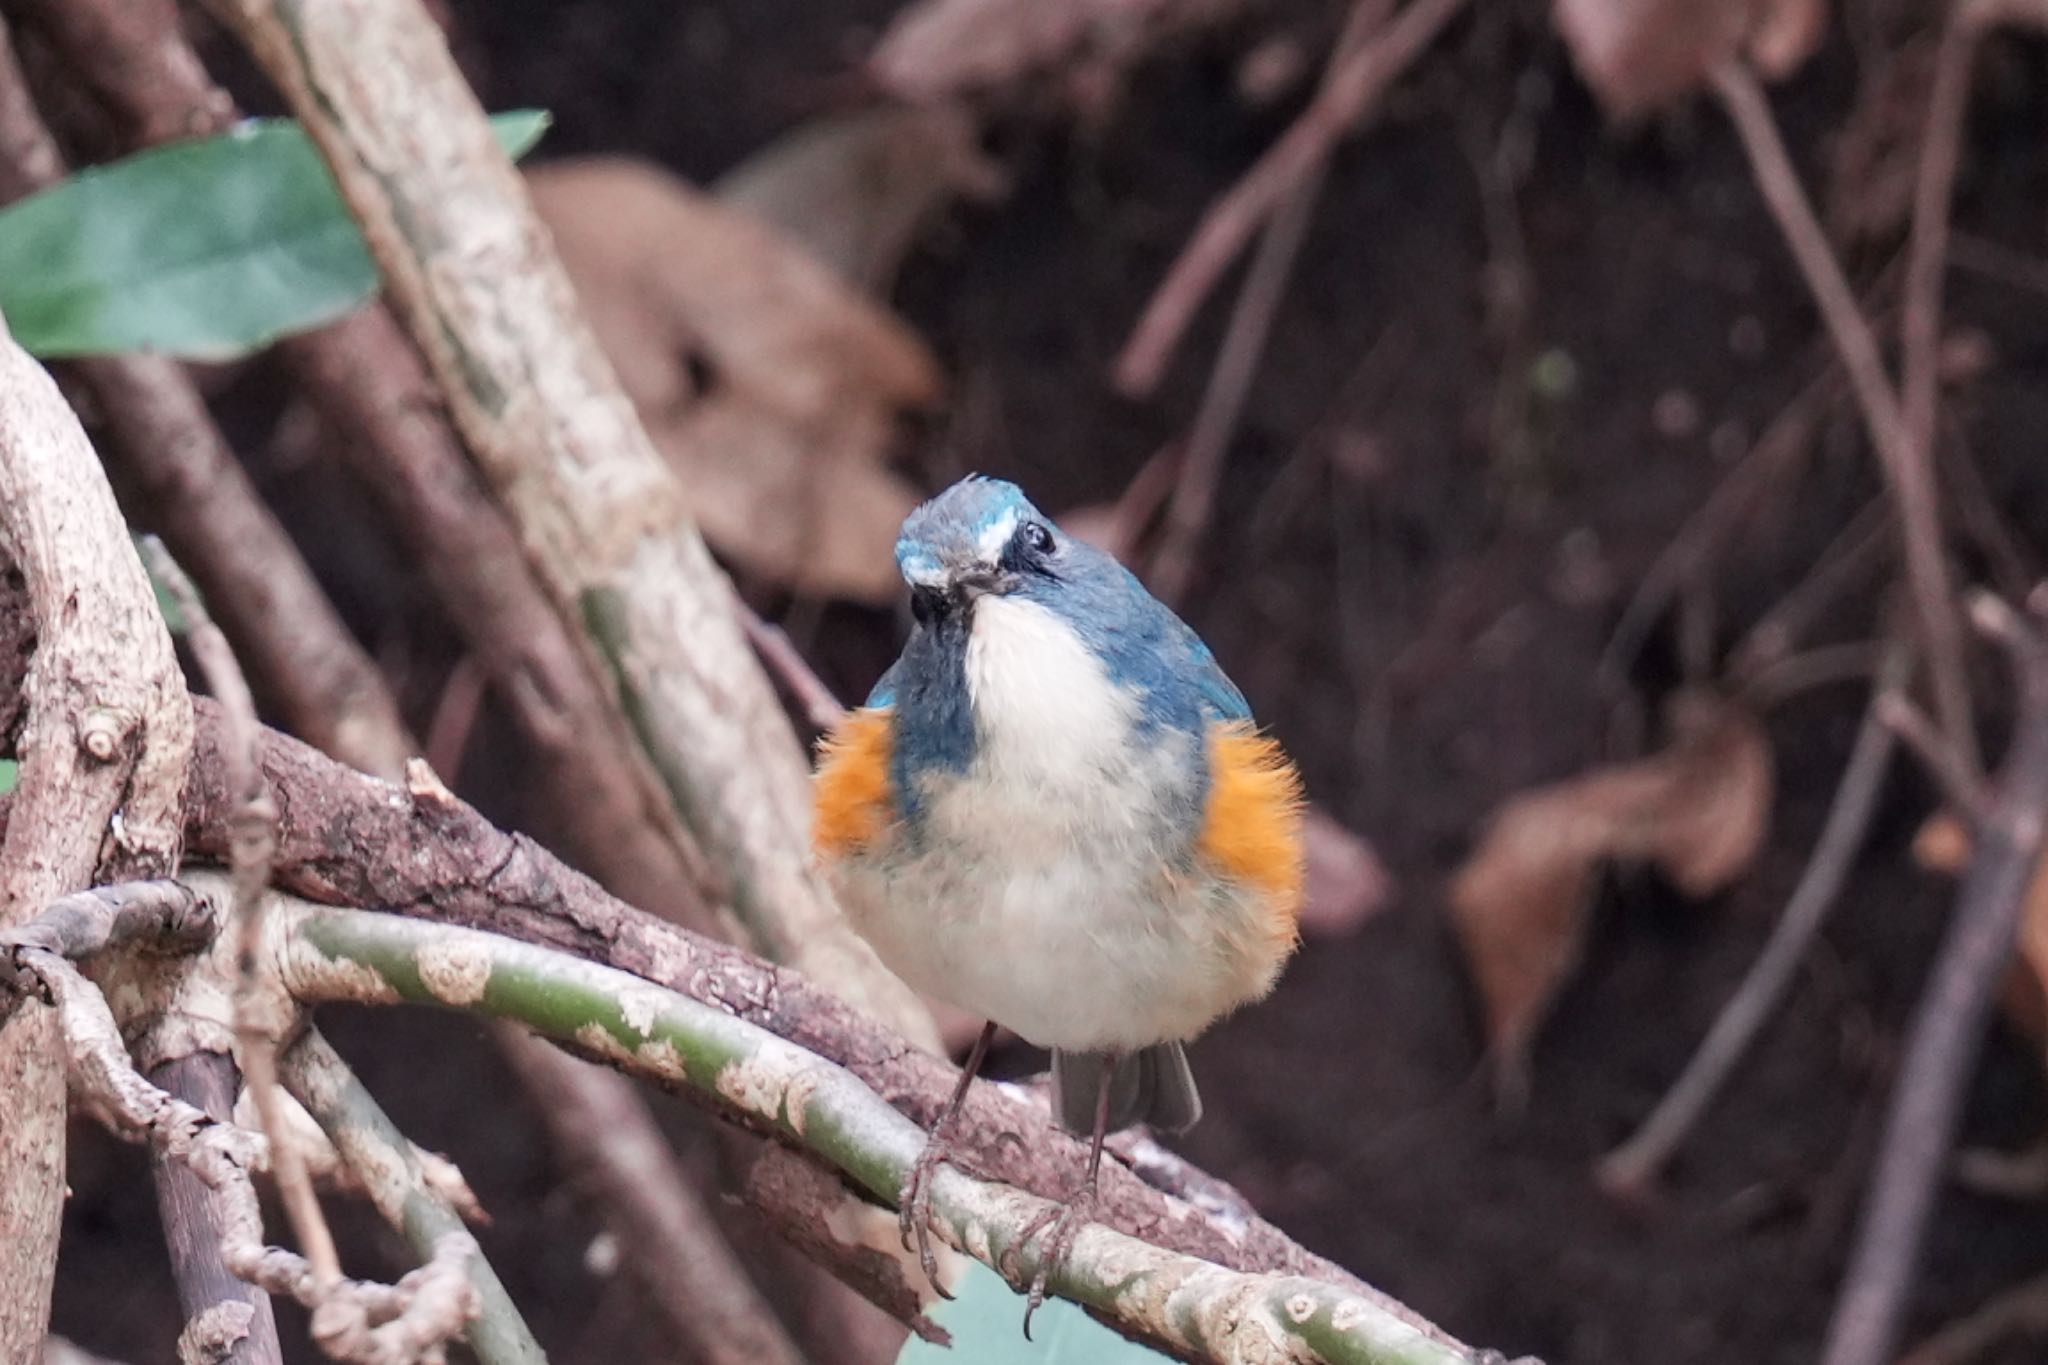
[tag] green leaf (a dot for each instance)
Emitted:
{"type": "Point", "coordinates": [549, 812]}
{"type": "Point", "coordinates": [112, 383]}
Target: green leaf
{"type": "Point", "coordinates": [10, 773]}
{"type": "Point", "coordinates": [207, 249]}
{"type": "Point", "coordinates": [987, 1323]}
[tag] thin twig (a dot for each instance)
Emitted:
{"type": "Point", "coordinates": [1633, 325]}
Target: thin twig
{"type": "Point", "coordinates": [1965, 791]}
{"type": "Point", "coordinates": [1244, 341]}
{"type": "Point", "coordinates": [772, 644]}
{"type": "Point", "coordinates": [1631, 1169]}
{"type": "Point", "coordinates": [372, 1324]}
{"type": "Point", "coordinates": [1230, 222]}
{"type": "Point", "coordinates": [1927, 248]}
{"type": "Point", "coordinates": [397, 1184]}
{"type": "Point", "coordinates": [2021, 1312]}
{"type": "Point", "coordinates": [254, 843]}
{"type": "Point", "coordinates": [1908, 472]}
{"type": "Point", "coordinates": [1855, 552]}
{"type": "Point", "coordinates": [1774, 456]}
{"type": "Point", "coordinates": [1948, 1023]}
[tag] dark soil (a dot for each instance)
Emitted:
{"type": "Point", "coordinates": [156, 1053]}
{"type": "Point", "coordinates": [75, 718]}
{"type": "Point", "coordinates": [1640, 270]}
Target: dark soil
{"type": "Point", "coordinates": [1430, 523]}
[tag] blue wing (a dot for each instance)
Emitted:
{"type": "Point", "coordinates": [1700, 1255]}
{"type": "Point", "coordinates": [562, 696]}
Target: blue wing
{"type": "Point", "coordinates": [1219, 693]}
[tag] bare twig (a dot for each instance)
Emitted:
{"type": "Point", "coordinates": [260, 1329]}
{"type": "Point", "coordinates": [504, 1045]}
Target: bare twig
{"type": "Point", "coordinates": [252, 842]}
{"type": "Point", "coordinates": [1908, 471]}
{"type": "Point", "coordinates": [108, 732]}
{"type": "Point", "coordinates": [1244, 340]}
{"type": "Point", "coordinates": [397, 1184]}
{"type": "Point", "coordinates": [1967, 792]}
{"type": "Point", "coordinates": [820, 709]}
{"type": "Point", "coordinates": [1927, 249]}
{"type": "Point", "coordinates": [609, 1145]}
{"type": "Point", "coordinates": [2020, 1312]}
{"type": "Point", "coordinates": [1350, 94]}
{"type": "Point", "coordinates": [402, 1324]}
{"type": "Point", "coordinates": [1856, 551]}
{"type": "Point", "coordinates": [1948, 1024]}
{"type": "Point", "coordinates": [1774, 456]}
{"type": "Point", "coordinates": [228, 1320]}
{"type": "Point", "coordinates": [1631, 1169]}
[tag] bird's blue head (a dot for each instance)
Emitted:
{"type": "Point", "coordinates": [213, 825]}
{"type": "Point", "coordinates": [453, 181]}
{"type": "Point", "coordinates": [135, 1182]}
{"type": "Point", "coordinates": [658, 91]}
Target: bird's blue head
{"type": "Point", "coordinates": [978, 537]}
{"type": "Point", "coordinates": [982, 539]}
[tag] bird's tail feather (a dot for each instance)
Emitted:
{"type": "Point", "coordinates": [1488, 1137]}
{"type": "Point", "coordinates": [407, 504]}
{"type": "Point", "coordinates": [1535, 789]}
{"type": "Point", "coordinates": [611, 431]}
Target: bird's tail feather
{"type": "Point", "coordinates": [1152, 1085]}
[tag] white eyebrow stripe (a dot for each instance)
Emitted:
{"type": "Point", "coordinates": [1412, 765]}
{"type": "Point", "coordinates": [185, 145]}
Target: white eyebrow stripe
{"type": "Point", "coordinates": [996, 535]}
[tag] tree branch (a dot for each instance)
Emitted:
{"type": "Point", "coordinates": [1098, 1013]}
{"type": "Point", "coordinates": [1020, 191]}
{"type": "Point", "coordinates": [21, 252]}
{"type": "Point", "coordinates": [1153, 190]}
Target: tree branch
{"type": "Point", "coordinates": [598, 510]}
{"type": "Point", "coordinates": [1908, 470]}
{"type": "Point", "coordinates": [1229, 224]}
{"type": "Point", "coordinates": [392, 1176]}
{"type": "Point", "coordinates": [108, 731]}
{"type": "Point", "coordinates": [1197, 1309]}
{"type": "Point", "coordinates": [348, 839]}
{"type": "Point", "coordinates": [1948, 1024]}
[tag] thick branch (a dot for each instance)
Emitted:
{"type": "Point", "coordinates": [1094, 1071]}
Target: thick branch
{"type": "Point", "coordinates": [598, 510]}
{"type": "Point", "coordinates": [348, 839]}
{"type": "Point", "coordinates": [1200, 1310]}
{"type": "Point", "coordinates": [108, 730]}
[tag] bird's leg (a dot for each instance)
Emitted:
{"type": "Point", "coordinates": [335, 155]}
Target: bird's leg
{"type": "Point", "coordinates": [914, 1206]}
{"type": "Point", "coordinates": [1066, 1220]}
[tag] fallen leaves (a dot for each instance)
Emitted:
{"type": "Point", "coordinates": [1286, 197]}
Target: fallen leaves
{"type": "Point", "coordinates": [1697, 811]}
{"type": "Point", "coordinates": [1639, 55]}
{"type": "Point", "coordinates": [771, 384]}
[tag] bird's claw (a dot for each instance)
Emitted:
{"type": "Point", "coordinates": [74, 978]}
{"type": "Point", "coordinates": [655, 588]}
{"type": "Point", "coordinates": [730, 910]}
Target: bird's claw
{"type": "Point", "coordinates": [914, 1208]}
{"type": "Point", "coordinates": [1065, 1221]}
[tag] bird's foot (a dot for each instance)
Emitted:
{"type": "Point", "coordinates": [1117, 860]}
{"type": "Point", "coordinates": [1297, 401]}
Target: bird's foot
{"type": "Point", "coordinates": [1060, 1223]}
{"type": "Point", "coordinates": [914, 1206]}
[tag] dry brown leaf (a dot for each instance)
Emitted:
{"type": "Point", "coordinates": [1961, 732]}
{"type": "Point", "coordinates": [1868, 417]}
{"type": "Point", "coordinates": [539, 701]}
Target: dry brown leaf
{"type": "Point", "coordinates": [940, 49]}
{"type": "Point", "coordinates": [773, 386]}
{"type": "Point", "coordinates": [856, 190]}
{"type": "Point", "coordinates": [1943, 844]}
{"type": "Point", "coordinates": [1697, 810]}
{"type": "Point", "coordinates": [1639, 55]}
{"type": "Point", "coordinates": [1347, 884]}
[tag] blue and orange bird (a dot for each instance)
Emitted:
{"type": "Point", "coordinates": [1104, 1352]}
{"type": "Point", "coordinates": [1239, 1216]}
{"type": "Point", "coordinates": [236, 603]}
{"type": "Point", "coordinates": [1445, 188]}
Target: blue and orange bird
{"type": "Point", "coordinates": [1054, 812]}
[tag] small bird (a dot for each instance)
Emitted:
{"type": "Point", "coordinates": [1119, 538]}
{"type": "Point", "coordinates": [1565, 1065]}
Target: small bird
{"type": "Point", "coordinates": [1054, 812]}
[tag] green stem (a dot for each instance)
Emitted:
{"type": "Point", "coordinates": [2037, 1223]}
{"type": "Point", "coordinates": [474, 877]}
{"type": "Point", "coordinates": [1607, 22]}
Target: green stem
{"type": "Point", "coordinates": [371, 1143]}
{"type": "Point", "coordinates": [1198, 1309]}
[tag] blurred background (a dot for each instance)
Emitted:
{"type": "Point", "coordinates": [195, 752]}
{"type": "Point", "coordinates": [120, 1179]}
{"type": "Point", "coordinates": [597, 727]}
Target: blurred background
{"type": "Point", "coordinates": [1542, 428]}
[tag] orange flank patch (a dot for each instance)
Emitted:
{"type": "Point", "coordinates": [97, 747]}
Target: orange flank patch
{"type": "Point", "coordinates": [1251, 831]}
{"type": "Point", "coordinates": [851, 789]}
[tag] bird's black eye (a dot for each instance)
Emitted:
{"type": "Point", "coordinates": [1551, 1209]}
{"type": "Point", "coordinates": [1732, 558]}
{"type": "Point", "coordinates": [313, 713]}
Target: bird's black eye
{"type": "Point", "coordinates": [1036, 537]}
{"type": "Point", "coordinates": [927, 605]}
